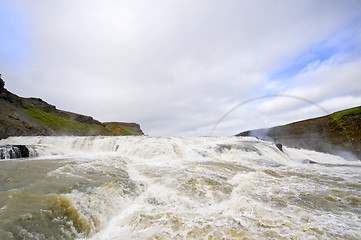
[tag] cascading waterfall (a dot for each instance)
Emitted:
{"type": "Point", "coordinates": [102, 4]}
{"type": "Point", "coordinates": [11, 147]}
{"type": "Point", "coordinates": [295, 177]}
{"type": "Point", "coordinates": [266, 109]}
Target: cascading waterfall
{"type": "Point", "coordinates": [176, 188]}
{"type": "Point", "coordinates": [9, 152]}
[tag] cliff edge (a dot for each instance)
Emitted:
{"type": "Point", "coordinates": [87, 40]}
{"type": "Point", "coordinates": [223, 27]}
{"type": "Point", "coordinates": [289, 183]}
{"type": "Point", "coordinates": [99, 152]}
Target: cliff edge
{"type": "Point", "coordinates": [337, 133]}
{"type": "Point", "coordinates": [33, 116]}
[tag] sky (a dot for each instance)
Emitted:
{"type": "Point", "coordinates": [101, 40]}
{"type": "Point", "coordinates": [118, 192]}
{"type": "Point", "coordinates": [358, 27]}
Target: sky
{"type": "Point", "coordinates": [177, 66]}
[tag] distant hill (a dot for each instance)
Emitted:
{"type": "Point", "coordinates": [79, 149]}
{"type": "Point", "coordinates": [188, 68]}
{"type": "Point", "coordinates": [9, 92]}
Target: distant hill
{"type": "Point", "coordinates": [32, 116]}
{"type": "Point", "coordinates": [336, 133]}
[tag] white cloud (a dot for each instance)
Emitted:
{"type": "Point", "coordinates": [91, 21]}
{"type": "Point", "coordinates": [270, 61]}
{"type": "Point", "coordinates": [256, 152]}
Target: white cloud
{"type": "Point", "coordinates": [175, 67]}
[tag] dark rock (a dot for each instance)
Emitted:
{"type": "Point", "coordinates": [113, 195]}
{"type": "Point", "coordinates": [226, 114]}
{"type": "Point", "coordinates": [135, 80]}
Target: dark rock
{"type": "Point", "coordinates": [86, 119]}
{"type": "Point", "coordinates": [279, 146]}
{"type": "Point", "coordinates": [10, 97]}
{"type": "Point", "coordinates": [24, 150]}
{"type": "Point", "coordinates": [39, 103]}
{"type": "Point", "coordinates": [2, 84]}
{"type": "Point", "coordinates": [78, 117]}
{"type": "Point", "coordinates": [14, 151]}
{"type": "Point", "coordinates": [14, 117]}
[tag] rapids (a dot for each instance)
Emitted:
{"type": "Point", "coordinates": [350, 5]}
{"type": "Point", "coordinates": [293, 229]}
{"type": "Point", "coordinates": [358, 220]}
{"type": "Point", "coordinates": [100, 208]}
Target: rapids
{"type": "Point", "coordinates": [176, 188]}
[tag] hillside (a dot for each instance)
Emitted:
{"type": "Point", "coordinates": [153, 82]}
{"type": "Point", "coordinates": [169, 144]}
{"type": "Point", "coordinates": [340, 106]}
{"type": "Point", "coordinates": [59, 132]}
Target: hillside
{"type": "Point", "coordinates": [32, 116]}
{"type": "Point", "coordinates": [334, 133]}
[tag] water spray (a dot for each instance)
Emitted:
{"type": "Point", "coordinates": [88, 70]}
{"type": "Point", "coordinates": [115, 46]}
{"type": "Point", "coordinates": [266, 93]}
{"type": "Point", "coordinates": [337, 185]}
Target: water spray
{"type": "Point", "coordinates": [265, 96]}
{"type": "Point", "coordinates": [282, 95]}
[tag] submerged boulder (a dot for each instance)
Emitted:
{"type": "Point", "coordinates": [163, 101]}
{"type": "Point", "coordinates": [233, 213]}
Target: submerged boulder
{"type": "Point", "coordinates": [279, 146]}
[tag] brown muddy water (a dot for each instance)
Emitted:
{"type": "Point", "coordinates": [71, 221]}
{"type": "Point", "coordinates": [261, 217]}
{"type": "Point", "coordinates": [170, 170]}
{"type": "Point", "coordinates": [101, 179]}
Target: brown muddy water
{"type": "Point", "coordinates": [176, 188]}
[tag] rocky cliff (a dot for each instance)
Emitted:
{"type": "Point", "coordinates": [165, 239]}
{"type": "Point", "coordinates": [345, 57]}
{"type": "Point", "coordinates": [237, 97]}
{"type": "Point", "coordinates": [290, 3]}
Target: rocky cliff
{"type": "Point", "coordinates": [337, 133]}
{"type": "Point", "coordinates": [2, 84]}
{"type": "Point", "coordinates": [122, 128]}
{"type": "Point", "coordinates": [32, 116]}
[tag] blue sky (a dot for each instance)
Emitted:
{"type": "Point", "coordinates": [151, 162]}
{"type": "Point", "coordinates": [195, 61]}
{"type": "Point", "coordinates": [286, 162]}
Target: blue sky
{"type": "Point", "coordinates": [176, 67]}
{"type": "Point", "coordinates": [14, 40]}
{"type": "Point", "coordinates": [343, 41]}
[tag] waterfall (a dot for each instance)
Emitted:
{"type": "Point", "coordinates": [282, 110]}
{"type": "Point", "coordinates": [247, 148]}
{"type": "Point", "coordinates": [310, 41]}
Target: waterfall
{"type": "Point", "coordinates": [176, 188]}
{"type": "Point", "coordinates": [9, 152]}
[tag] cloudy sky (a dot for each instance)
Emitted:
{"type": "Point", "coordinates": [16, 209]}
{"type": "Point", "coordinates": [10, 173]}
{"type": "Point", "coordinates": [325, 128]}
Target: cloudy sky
{"type": "Point", "coordinates": [177, 66]}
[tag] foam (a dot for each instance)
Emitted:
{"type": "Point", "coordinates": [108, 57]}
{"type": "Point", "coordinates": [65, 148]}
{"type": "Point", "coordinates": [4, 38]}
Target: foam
{"type": "Point", "coordinates": [200, 188]}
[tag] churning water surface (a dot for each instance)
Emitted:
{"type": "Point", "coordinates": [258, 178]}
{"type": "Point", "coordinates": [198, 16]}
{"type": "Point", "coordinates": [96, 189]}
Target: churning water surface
{"type": "Point", "coordinates": [176, 188]}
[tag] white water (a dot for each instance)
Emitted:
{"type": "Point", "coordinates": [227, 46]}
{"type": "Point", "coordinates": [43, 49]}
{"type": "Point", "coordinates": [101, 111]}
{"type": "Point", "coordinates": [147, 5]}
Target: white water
{"type": "Point", "coordinates": [181, 188]}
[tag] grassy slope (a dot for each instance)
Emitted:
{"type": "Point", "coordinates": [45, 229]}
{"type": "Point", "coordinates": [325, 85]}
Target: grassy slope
{"type": "Point", "coordinates": [27, 119]}
{"type": "Point", "coordinates": [345, 129]}
{"type": "Point", "coordinates": [64, 125]}
{"type": "Point", "coordinates": [121, 130]}
{"type": "Point", "coordinates": [33, 116]}
{"type": "Point", "coordinates": [352, 111]}
{"type": "Point", "coordinates": [124, 128]}
{"type": "Point", "coordinates": [338, 131]}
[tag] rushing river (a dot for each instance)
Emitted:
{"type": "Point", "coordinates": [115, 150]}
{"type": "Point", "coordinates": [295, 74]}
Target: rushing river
{"type": "Point", "coordinates": [176, 188]}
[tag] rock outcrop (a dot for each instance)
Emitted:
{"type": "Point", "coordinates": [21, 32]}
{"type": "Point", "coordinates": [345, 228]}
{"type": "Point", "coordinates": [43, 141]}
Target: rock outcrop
{"type": "Point", "coordinates": [14, 151]}
{"type": "Point", "coordinates": [337, 133]}
{"type": "Point", "coordinates": [2, 84]}
{"type": "Point", "coordinates": [33, 116]}
{"type": "Point", "coordinates": [124, 128]}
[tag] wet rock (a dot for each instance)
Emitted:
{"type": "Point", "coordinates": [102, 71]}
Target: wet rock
{"type": "Point", "coordinates": [24, 150]}
{"type": "Point", "coordinates": [14, 151]}
{"type": "Point", "coordinates": [308, 161]}
{"type": "Point", "coordinates": [279, 146]}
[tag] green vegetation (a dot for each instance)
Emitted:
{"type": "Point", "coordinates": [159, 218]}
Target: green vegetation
{"type": "Point", "coordinates": [64, 125]}
{"type": "Point", "coordinates": [339, 122]}
{"type": "Point", "coordinates": [340, 131]}
{"type": "Point", "coordinates": [120, 129]}
{"type": "Point", "coordinates": [35, 117]}
{"type": "Point", "coordinates": [352, 111]}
